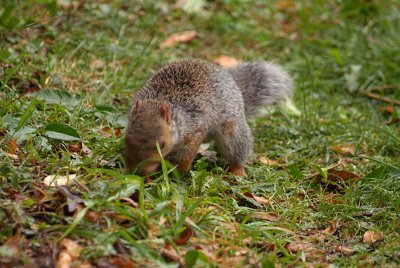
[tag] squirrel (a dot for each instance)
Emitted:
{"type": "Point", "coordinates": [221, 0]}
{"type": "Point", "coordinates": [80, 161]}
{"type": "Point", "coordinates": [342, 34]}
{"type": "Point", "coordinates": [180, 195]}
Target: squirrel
{"type": "Point", "coordinates": [188, 102]}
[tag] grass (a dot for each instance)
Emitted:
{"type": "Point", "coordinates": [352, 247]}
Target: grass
{"type": "Point", "coordinates": [68, 71]}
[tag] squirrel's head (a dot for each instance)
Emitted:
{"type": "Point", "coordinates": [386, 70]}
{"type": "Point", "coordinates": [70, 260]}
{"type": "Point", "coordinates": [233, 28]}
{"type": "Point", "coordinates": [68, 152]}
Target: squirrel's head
{"type": "Point", "coordinates": [148, 124]}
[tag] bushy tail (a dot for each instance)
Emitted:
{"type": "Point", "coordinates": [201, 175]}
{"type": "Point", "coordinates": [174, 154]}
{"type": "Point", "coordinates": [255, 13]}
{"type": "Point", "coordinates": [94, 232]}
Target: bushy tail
{"type": "Point", "coordinates": [262, 83]}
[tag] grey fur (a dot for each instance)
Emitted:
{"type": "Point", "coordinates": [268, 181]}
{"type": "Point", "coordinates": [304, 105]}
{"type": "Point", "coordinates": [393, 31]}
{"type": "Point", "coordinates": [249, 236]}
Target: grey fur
{"type": "Point", "coordinates": [262, 83]}
{"type": "Point", "coordinates": [207, 103]}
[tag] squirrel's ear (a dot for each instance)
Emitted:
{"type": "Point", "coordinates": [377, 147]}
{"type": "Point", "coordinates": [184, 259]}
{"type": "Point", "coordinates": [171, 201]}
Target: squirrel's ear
{"type": "Point", "coordinates": [138, 104]}
{"type": "Point", "coordinates": [166, 112]}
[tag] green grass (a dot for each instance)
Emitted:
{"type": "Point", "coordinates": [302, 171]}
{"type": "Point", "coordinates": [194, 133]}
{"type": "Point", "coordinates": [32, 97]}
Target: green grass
{"type": "Point", "coordinates": [79, 65]}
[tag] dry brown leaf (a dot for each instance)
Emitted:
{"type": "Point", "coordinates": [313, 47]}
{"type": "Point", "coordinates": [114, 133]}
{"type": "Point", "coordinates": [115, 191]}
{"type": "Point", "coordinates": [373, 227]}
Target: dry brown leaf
{"type": "Point", "coordinates": [184, 237]}
{"type": "Point", "coordinates": [64, 260]}
{"type": "Point", "coordinates": [69, 254]}
{"type": "Point", "coordinates": [285, 5]}
{"type": "Point", "coordinates": [120, 262]}
{"type": "Point", "coordinates": [267, 161]}
{"type": "Point", "coordinates": [129, 201]}
{"type": "Point", "coordinates": [296, 247]}
{"type": "Point", "coordinates": [182, 37]}
{"type": "Point", "coordinates": [341, 175]}
{"type": "Point", "coordinates": [109, 132]}
{"type": "Point", "coordinates": [344, 250]}
{"type": "Point", "coordinates": [387, 109]}
{"type": "Point", "coordinates": [92, 216]}
{"type": "Point", "coordinates": [332, 198]}
{"type": "Point", "coordinates": [263, 245]}
{"type": "Point", "coordinates": [71, 247]}
{"type": "Point", "coordinates": [12, 147]}
{"type": "Point", "coordinates": [334, 175]}
{"type": "Point", "coordinates": [259, 200]}
{"type": "Point", "coordinates": [87, 151]}
{"type": "Point", "coordinates": [267, 216]}
{"type": "Point", "coordinates": [97, 65]}
{"type": "Point", "coordinates": [330, 230]}
{"type": "Point", "coordinates": [153, 231]}
{"type": "Point", "coordinates": [170, 254]}
{"type": "Point", "coordinates": [344, 149]}
{"type": "Point", "coordinates": [118, 132]}
{"type": "Point", "coordinates": [372, 237]}
{"type": "Point", "coordinates": [75, 147]}
{"type": "Point", "coordinates": [226, 61]}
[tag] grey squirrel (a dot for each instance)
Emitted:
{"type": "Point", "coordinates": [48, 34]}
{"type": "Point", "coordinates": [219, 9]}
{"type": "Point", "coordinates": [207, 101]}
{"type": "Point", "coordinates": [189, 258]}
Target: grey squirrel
{"type": "Point", "coordinates": [191, 101]}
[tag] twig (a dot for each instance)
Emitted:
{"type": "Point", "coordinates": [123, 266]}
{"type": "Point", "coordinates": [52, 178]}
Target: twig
{"type": "Point", "coordinates": [383, 87]}
{"type": "Point", "coordinates": [385, 99]}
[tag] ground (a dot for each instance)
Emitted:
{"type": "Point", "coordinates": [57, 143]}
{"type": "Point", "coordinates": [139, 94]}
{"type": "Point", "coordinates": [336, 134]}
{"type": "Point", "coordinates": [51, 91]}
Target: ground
{"type": "Point", "coordinates": [323, 186]}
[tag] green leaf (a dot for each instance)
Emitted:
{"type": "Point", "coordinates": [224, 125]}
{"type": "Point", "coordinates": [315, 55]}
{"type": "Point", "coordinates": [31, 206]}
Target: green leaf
{"type": "Point", "coordinates": [61, 132]}
{"type": "Point", "coordinates": [26, 116]}
{"type": "Point", "coordinates": [60, 97]}
{"type": "Point", "coordinates": [193, 257]}
{"type": "Point", "coordinates": [52, 7]}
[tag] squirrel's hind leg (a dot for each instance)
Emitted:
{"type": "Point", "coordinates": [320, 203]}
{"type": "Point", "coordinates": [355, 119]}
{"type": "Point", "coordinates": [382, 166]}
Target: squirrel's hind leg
{"type": "Point", "coordinates": [234, 142]}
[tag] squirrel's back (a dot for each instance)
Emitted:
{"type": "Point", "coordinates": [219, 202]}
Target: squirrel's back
{"type": "Point", "coordinates": [204, 92]}
{"type": "Point", "coordinates": [204, 87]}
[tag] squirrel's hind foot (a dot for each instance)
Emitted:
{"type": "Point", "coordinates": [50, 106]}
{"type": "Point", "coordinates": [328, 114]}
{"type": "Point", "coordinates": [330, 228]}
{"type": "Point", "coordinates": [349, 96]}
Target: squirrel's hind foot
{"type": "Point", "coordinates": [237, 170]}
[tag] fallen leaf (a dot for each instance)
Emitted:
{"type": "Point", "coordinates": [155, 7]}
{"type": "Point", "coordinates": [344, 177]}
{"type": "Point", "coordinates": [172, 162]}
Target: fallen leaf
{"type": "Point", "coordinates": [226, 61]}
{"type": "Point", "coordinates": [169, 254]}
{"type": "Point", "coordinates": [92, 216]}
{"type": "Point", "coordinates": [97, 65]}
{"type": "Point", "coordinates": [70, 254]}
{"type": "Point", "coordinates": [297, 247]}
{"type": "Point", "coordinates": [341, 175]}
{"type": "Point", "coordinates": [54, 180]}
{"type": "Point", "coordinates": [86, 150]}
{"type": "Point", "coordinates": [372, 237]}
{"type": "Point", "coordinates": [263, 245]}
{"type": "Point", "coordinates": [259, 200]}
{"type": "Point", "coordinates": [72, 199]}
{"type": "Point", "coordinates": [267, 161]}
{"type": "Point", "coordinates": [75, 147]}
{"type": "Point", "coordinates": [71, 247]}
{"type": "Point", "coordinates": [120, 262]}
{"type": "Point", "coordinates": [282, 5]}
{"type": "Point", "coordinates": [109, 132]}
{"type": "Point", "coordinates": [344, 250]}
{"type": "Point", "coordinates": [345, 149]}
{"type": "Point", "coordinates": [129, 201]}
{"type": "Point", "coordinates": [184, 237]}
{"type": "Point", "coordinates": [266, 216]}
{"type": "Point", "coordinates": [335, 176]}
{"type": "Point", "coordinates": [387, 109]}
{"type": "Point", "coordinates": [12, 147]}
{"type": "Point", "coordinates": [332, 198]}
{"type": "Point", "coordinates": [153, 231]}
{"type": "Point", "coordinates": [330, 230]}
{"type": "Point", "coordinates": [181, 37]}
{"type": "Point", "coordinates": [118, 132]}
{"type": "Point", "coordinates": [64, 260]}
